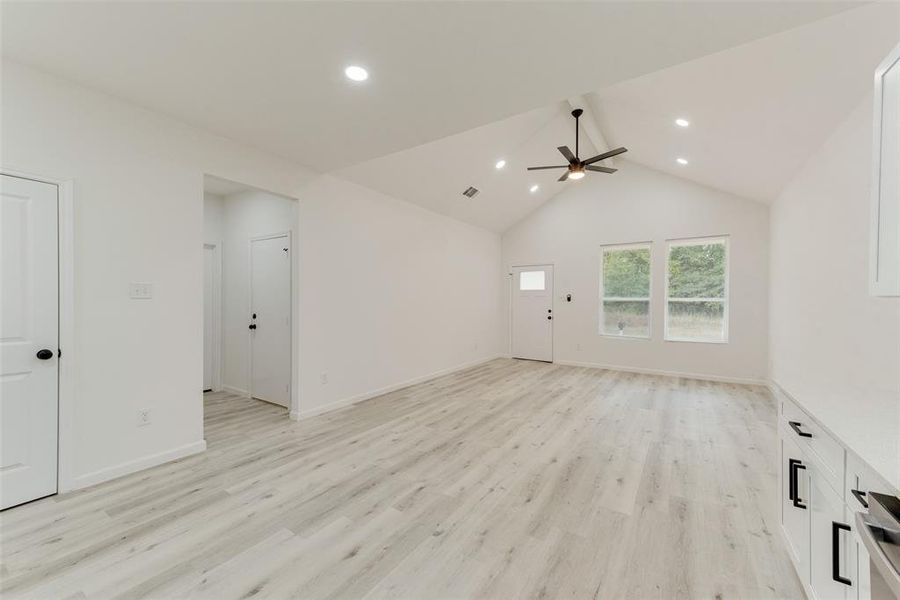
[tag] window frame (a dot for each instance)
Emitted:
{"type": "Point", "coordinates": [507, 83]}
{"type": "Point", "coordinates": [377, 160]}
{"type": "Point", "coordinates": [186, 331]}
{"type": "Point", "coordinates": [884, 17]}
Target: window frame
{"type": "Point", "coordinates": [601, 298]}
{"type": "Point", "coordinates": [726, 300]}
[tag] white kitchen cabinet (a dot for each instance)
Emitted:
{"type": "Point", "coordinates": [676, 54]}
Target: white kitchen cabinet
{"type": "Point", "coordinates": [830, 543]}
{"type": "Point", "coordinates": [884, 255]}
{"type": "Point", "coordinates": [794, 511]}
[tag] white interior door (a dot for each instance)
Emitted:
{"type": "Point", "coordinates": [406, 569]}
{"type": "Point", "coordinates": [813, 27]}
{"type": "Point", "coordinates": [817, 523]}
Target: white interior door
{"type": "Point", "coordinates": [532, 312]}
{"type": "Point", "coordinates": [29, 339]}
{"type": "Point", "coordinates": [209, 322]}
{"type": "Point", "coordinates": [270, 319]}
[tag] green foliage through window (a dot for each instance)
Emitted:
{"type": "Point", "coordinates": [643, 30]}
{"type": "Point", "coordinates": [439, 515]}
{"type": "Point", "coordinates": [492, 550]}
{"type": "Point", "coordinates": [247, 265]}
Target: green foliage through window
{"type": "Point", "coordinates": [626, 273]}
{"type": "Point", "coordinates": [697, 271]}
{"type": "Point", "coordinates": [625, 306]}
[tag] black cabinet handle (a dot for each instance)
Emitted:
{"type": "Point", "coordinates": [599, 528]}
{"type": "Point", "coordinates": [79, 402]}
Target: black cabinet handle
{"type": "Point", "coordinates": [836, 552]}
{"type": "Point", "coordinates": [860, 497]}
{"type": "Point", "coordinates": [253, 326]}
{"type": "Point", "coordinates": [796, 465]}
{"type": "Point", "coordinates": [792, 479]}
{"type": "Point", "coordinates": [44, 354]}
{"type": "Point", "coordinates": [796, 427]}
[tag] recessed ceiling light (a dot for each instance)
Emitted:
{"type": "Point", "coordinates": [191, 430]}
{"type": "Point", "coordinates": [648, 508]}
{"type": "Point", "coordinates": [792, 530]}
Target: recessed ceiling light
{"type": "Point", "coordinates": [681, 161]}
{"type": "Point", "coordinates": [682, 122]}
{"type": "Point", "coordinates": [500, 164]}
{"type": "Point", "coordinates": [533, 188]}
{"type": "Point", "coordinates": [356, 73]}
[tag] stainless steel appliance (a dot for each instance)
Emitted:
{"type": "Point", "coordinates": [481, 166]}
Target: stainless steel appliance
{"type": "Point", "coordinates": [879, 531]}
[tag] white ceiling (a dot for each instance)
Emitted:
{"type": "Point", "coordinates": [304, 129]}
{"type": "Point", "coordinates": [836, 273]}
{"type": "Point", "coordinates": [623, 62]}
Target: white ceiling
{"type": "Point", "coordinates": [757, 113]}
{"type": "Point", "coordinates": [434, 175]}
{"type": "Point", "coordinates": [270, 74]}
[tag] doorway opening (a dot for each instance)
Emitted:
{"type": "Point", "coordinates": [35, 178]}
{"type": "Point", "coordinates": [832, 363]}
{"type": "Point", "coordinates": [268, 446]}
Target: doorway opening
{"type": "Point", "coordinates": [249, 294]}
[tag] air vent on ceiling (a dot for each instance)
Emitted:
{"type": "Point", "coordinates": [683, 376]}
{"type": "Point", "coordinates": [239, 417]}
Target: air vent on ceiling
{"type": "Point", "coordinates": [470, 192]}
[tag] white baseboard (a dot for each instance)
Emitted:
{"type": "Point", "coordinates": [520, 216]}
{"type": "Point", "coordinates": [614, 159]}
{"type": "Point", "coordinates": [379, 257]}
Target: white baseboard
{"type": "Point", "coordinates": [236, 391]}
{"type": "Point", "coordinates": [127, 468]}
{"type": "Point", "coordinates": [318, 410]}
{"type": "Point", "coordinates": [700, 376]}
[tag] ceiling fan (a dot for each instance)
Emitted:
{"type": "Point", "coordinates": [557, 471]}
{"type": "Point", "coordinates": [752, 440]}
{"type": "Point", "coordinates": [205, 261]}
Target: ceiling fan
{"type": "Point", "coordinates": [577, 167]}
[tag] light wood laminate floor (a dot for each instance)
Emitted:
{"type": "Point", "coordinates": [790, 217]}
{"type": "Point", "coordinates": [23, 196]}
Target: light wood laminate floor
{"type": "Point", "coordinates": [511, 479]}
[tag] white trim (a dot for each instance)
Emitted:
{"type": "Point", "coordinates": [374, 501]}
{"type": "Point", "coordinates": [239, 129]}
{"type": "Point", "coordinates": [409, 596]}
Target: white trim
{"type": "Point", "coordinates": [217, 314]}
{"type": "Point", "coordinates": [338, 404]}
{"type": "Point", "coordinates": [698, 241]}
{"type": "Point", "coordinates": [133, 466]}
{"type": "Point", "coordinates": [237, 391]}
{"type": "Point", "coordinates": [683, 375]}
{"type": "Point", "coordinates": [65, 442]}
{"type": "Point", "coordinates": [601, 299]}
{"type": "Point", "coordinates": [294, 375]}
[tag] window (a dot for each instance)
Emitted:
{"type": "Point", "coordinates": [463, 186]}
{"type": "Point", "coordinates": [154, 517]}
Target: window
{"type": "Point", "coordinates": [625, 291]}
{"type": "Point", "coordinates": [532, 281]}
{"type": "Point", "coordinates": [697, 290]}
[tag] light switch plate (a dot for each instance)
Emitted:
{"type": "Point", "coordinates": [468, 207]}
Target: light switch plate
{"type": "Point", "coordinates": [140, 291]}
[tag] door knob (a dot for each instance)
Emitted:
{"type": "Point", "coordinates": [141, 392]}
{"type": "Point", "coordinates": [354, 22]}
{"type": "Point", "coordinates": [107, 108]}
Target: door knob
{"type": "Point", "coordinates": [549, 318]}
{"type": "Point", "coordinates": [253, 326]}
{"type": "Point", "coordinates": [44, 354]}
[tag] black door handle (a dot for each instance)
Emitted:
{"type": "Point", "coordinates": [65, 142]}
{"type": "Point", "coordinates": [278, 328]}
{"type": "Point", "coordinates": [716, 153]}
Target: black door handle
{"type": "Point", "coordinates": [549, 318]}
{"type": "Point", "coordinates": [252, 325]}
{"type": "Point", "coordinates": [44, 354]}
{"type": "Point", "coordinates": [860, 497]}
{"type": "Point", "coordinates": [835, 552]}
{"type": "Point", "coordinates": [796, 427]}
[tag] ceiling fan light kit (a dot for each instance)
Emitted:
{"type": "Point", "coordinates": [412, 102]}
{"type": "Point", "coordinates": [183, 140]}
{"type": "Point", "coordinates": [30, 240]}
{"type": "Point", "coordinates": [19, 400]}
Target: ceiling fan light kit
{"type": "Point", "coordinates": [577, 168]}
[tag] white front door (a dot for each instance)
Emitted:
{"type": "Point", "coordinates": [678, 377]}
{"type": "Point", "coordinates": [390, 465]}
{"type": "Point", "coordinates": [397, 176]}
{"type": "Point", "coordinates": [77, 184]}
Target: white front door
{"type": "Point", "coordinates": [29, 339]}
{"type": "Point", "coordinates": [270, 319]}
{"type": "Point", "coordinates": [532, 312]}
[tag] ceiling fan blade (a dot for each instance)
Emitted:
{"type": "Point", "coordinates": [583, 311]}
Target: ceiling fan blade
{"type": "Point", "coordinates": [564, 150]}
{"type": "Point", "coordinates": [553, 167]}
{"type": "Point", "coordinates": [564, 176]}
{"type": "Point", "coordinates": [599, 169]}
{"type": "Point", "coordinates": [605, 155]}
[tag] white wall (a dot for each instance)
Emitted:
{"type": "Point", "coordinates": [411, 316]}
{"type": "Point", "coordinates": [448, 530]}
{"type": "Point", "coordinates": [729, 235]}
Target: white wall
{"type": "Point", "coordinates": [640, 204]}
{"type": "Point", "coordinates": [834, 348]}
{"type": "Point", "coordinates": [391, 292]}
{"type": "Point", "coordinates": [138, 186]}
{"type": "Point", "coordinates": [245, 215]}
{"type": "Point", "coordinates": [213, 218]}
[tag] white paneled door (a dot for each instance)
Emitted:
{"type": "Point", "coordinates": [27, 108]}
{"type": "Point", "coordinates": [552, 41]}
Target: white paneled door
{"type": "Point", "coordinates": [532, 312]}
{"type": "Point", "coordinates": [29, 338]}
{"type": "Point", "coordinates": [270, 319]}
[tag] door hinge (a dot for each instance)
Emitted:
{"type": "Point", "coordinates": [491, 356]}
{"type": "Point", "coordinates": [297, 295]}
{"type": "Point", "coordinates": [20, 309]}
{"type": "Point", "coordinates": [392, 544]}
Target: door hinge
{"type": "Point", "coordinates": [58, 353]}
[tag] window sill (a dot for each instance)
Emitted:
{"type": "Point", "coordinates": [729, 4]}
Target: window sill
{"type": "Point", "coordinates": [624, 337]}
{"type": "Point", "coordinates": [690, 341]}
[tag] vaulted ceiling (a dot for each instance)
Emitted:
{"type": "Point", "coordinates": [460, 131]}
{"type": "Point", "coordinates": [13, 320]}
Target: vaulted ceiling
{"type": "Point", "coordinates": [270, 74]}
{"type": "Point", "coordinates": [455, 87]}
{"type": "Point", "coordinates": [756, 113]}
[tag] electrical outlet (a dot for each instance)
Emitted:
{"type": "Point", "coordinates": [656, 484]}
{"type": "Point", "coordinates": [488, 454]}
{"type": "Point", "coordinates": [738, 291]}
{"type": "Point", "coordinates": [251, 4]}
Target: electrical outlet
{"type": "Point", "coordinates": [140, 291]}
{"type": "Point", "coordinates": [143, 417]}
{"type": "Point", "coordinates": [323, 378]}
